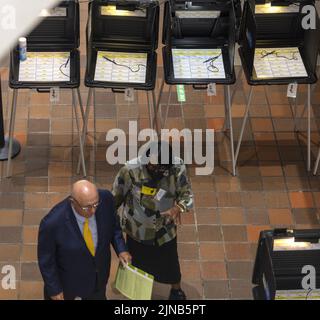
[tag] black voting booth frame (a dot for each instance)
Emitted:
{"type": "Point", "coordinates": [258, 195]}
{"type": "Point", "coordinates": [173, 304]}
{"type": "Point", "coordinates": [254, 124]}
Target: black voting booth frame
{"type": "Point", "coordinates": [125, 32]}
{"type": "Point", "coordinates": [219, 32]}
{"type": "Point", "coordinates": [54, 34]}
{"type": "Point", "coordinates": [276, 30]}
{"type": "Point", "coordinates": [282, 269]}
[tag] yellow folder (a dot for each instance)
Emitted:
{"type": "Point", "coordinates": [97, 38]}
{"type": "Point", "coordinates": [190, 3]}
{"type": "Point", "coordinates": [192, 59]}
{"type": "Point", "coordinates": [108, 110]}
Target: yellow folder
{"type": "Point", "coordinates": [134, 283]}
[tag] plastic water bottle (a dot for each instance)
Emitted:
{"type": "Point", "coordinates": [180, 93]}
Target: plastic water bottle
{"type": "Point", "coordinates": [23, 49]}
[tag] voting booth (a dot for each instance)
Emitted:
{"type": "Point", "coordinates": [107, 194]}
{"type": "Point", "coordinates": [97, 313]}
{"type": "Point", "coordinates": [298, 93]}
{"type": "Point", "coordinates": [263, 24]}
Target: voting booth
{"type": "Point", "coordinates": [275, 49]}
{"type": "Point", "coordinates": [199, 40]}
{"type": "Point", "coordinates": [287, 265]}
{"type": "Point", "coordinates": [53, 61]}
{"type": "Point", "coordinates": [122, 38]}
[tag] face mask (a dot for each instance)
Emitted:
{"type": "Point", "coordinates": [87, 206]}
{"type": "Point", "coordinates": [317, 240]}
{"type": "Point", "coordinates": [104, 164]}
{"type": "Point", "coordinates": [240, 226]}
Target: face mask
{"type": "Point", "coordinates": [157, 173]}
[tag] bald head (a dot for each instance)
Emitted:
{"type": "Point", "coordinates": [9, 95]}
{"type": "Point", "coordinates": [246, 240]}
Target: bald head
{"type": "Point", "coordinates": [85, 193]}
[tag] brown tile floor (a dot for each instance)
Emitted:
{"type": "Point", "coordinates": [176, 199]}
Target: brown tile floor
{"type": "Point", "coordinates": [217, 241]}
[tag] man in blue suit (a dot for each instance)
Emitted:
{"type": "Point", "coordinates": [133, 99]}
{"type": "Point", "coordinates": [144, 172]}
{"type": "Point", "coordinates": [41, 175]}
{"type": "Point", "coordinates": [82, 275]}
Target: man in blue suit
{"type": "Point", "coordinates": [74, 244]}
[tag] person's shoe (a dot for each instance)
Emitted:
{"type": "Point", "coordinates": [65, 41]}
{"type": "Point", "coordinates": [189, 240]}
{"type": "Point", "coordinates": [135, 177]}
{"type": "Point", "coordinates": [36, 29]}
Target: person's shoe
{"type": "Point", "coordinates": [177, 294]}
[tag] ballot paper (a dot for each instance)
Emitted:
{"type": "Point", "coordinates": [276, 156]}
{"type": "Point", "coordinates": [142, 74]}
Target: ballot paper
{"type": "Point", "coordinates": [195, 64]}
{"type": "Point", "coordinates": [298, 294]}
{"type": "Point", "coordinates": [282, 63]}
{"type": "Point", "coordinates": [54, 12]}
{"type": "Point", "coordinates": [201, 14]}
{"type": "Point", "coordinates": [45, 67]}
{"type": "Point", "coordinates": [121, 67]}
{"type": "Point", "coordinates": [289, 244]}
{"type": "Point", "coordinates": [268, 8]}
{"type": "Point", "coordinates": [112, 10]}
{"type": "Point", "coordinates": [134, 283]}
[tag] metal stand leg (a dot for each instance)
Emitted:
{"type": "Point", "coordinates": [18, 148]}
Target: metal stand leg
{"type": "Point", "coordinates": [167, 107]}
{"type": "Point", "coordinates": [229, 112]}
{"type": "Point", "coordinates": [309, 129]}
{"type": "Point", "coordinates": [4, 141]}
{"type": "Point", "coordinates": [95, 143]}
{"type": "Point", "coordinates": [80, 103]}
{"type": "Point", "coordinates": [149, 110]}
{"type": "Point", "coordinates": [158, 104]}
{"type": "Point", "coordinates": [317, 163]}
{"type": "Point", "coordinates": [313, 88]}
{"type": "Point", "coordinates": [12, 145]}
{"type": "Point", "coordinates": [243, 124]}
{"type": "Point", "coordinates": [294, 110]}
{"type": "Point", "coordinates": [74, 104]}
{"type": "Point", "coordinates": [239, 75]}
{"type": "Point", "coordinates": [226, 111]}
{"type": "Point", "coordinates": [85, 125]}
{"type": "Point", "coordinates": [154, 103]}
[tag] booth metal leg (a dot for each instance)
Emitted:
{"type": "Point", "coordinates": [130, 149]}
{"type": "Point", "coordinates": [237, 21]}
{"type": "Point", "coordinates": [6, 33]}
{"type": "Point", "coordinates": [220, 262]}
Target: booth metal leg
{"type": "Point", "coordinates": [95, 143]}
{"type": "Point", "coordinates": [317, 163]}
{"type": "Point", "coordinates": [149, 110]}
{"type": "Point", "coordinates": [239, 75]}
{"type": "Point", "coordinates": [12, 144]}
{"type": "Point", "coordinates": [154, 103]}
{"type": "Point", "coordinates": [229, 112]}
{"type": "Point", "coordinates": [309, 129]}
{"type": "Point", "coordinates": [167, 107]}
{"type": "Point", "coordinates": [4, 141]}
{"type": "Point", "coordinates": [85, 125]}
{"type": "Point", "coordinates": [74, 104]}
{"type": "Point", "coordinates": [80, 103]}
{"type": "Point", "coordinates": [294, 111]}
{"type": "Point", "coordinates": [243, 124]}
{"type": "Point", "coordinates": [307, 106]}
{"type": "Point", "coordinates": [226, 111]}
{"type": "Point", "coordinates": [158, 105]}
{"type": "Point", "coordinates": [313, 88]}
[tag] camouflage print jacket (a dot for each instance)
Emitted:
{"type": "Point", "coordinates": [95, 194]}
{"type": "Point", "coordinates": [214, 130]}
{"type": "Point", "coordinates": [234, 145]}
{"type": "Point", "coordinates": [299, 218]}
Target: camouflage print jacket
{"type": "Point", "coordinates": [140, 217]}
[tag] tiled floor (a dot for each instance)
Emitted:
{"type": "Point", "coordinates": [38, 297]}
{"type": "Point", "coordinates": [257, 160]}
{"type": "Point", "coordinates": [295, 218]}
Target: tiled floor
{"type": "Point", "coordinates": [217, 241]}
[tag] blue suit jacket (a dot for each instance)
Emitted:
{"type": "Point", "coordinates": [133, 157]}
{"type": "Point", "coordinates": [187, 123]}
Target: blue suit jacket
{"type": "Point", "coordinates": [65, 262]}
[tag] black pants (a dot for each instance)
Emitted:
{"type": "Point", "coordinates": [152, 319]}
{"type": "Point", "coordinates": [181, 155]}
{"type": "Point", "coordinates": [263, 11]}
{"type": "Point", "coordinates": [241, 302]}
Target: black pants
{"type": "Point", "coordinates": [98, 295]}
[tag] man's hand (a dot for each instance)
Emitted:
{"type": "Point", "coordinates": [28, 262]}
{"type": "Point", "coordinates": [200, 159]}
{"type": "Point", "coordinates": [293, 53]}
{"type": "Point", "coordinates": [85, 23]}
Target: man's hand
{"type": "Point", "coordinates": [174, 214]}
{"type": "Point", "coordinates": [125, 258]}
{"type": "Point", "coordinates": [58, 297]}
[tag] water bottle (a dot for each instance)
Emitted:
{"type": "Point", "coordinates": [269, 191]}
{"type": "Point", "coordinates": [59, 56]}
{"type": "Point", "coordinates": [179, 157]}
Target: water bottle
{"type": "Point", "coordinates": [23, 49]}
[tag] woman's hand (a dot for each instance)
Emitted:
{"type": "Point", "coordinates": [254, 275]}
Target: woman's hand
{"type": "Point", "coordinates": [174, 214]}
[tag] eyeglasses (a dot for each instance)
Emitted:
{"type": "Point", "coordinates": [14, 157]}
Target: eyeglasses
{"type": "Point", "coordinates": [86, 208]}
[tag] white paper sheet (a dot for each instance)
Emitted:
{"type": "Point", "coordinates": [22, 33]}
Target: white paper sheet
{"type": "Point", "coordinates": [54, 12]}
{"type": "Point", "coordinates": [45, 67]}
{"type": "Point", "coordinates": [289, 244]}
{"type": "Point", "coordinates": [283, 63]}
{"type": "Point", "coordinates": [183, 14]}
{"type": "Point", "coordinates": [267, 8]}
{"type": "Point", "coordinates": [112, 10]}
{"type": "Point", "coordinates": [194, 64]}
{"type": "Point", "coordinates": [297, 295]}
{"type": "Point", "coordinates": [126, 67]}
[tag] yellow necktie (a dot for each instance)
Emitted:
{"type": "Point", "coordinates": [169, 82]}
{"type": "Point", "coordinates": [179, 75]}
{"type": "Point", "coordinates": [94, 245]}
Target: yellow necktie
{"type": "Point", "coordinates": [87, 235]}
